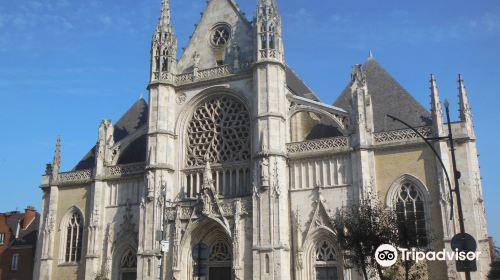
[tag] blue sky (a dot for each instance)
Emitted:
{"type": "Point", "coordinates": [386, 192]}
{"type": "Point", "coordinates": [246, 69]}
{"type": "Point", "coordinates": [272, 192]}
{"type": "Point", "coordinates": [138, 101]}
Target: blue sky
{"type": "Point", "coordinates": [65, 65]}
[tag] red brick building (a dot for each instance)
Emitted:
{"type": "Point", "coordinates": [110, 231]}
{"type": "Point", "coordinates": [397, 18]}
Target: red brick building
{"type": "Point", "coordinates": [18, 234]}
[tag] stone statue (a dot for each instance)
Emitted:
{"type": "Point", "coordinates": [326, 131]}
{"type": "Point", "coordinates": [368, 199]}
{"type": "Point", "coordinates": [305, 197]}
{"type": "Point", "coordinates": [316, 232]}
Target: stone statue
{"type": "Point", "coordinates": [196, 60]}
{"type": "Point", "coordinates": [264, 172]}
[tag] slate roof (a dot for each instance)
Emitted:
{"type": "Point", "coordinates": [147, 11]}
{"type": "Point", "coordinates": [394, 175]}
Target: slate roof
{"type": "Point", "coordinates": [129, 123]}
{"type": "Point", "coordinates": [297, 85]}
{"type": "Point", "coordinates": [388, 97]}
{"type": "Point", "coordinates": [28, 235]}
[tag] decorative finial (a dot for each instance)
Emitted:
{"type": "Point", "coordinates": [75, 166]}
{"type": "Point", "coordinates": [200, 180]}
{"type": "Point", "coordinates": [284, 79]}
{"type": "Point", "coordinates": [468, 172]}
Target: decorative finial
{"type": "Point", "coordinates": [446, 104]}
{"type": "Point", "coordinates": [165, 13]}
{"type": "Point", "coordinates": [464, 110]}
{"type": "Point", "coordinates": [358, 74]}
{"type": "Point", "coordinates": [437, 113]}
{"type": "Point", "coordinates": [370, 55]}
{"type": "Point", "coordinates": [57, 155]}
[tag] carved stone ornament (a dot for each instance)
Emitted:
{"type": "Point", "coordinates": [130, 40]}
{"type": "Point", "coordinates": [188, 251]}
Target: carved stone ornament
{"type": "Point", "coordinates": [196, 60]}
{"type": "Point", "coordinates": [128, 226]}
{"type": "Point", "coordinates": [49, 223]}
{"type": "Point", "coordinates": [320, 218]}
{"type": "Point", "coordinates": [264, 173]}
{"type": "Point", "coordinates": [94, 219]}
{"type": "Point", "coordinates": [358, 76]}
{"type": "Point", "coordinates": [181, 98]}
{"type": "Point", "coordinates": [327, 144]}
{"type": "Point", "coordinates": [277, 187]}
{"type": "Point", "coordinates": [150, 185]}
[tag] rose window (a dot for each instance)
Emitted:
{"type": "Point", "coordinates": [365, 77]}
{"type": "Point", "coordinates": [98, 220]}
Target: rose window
{"type": "Point", "coordinates": [219, 128]}
{"type": "Point", "coordinates": [221, 35]}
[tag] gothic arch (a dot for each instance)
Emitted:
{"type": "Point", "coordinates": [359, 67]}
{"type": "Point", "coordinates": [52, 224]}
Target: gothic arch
{"type": "Point", "coordinates": [124, 260]}
{"type": "Point", "coordinates": [195, 101]}
{"type": "Point", "coordinates": [73, 217]}
{"type": "Point", "coordinates": [188, 180]}
{"type": "Point", "coordinates": [395, 186]}
{"type": "Point", "coordinates": [326, 121]}
{"type": "Point", "coordinates": [207, 231]}
{"type": "Point", "coordinates": [421, 191]}
{"type": "Point", "coordinates": [322, 242]}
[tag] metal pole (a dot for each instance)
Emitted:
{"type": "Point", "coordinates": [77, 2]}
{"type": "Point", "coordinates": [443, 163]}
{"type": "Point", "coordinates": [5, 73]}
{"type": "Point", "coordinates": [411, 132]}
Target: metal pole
{"type": "Point", "coordinates": [456, 176]}
{"type": "Point", "coordinates": [426, 140]}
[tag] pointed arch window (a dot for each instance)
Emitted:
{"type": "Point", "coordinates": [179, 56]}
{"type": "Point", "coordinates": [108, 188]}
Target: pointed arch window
{"type": "Point", "coordinates": [325, 263]}
{"type": "Point", "coordinates": [128, 266]}
{"type": "Point", "coordinates": [74, 238]}
{"type": "Point", "coordinates": [411, 216]}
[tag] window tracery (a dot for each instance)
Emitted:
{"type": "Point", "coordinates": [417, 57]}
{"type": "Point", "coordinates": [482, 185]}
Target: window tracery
{"type": "Point", "coordinates": [325, 262]}
{"type": "Point", "coordinates": [129, 260]}
{"type": "Point", "coordinates": [325, 252]}
{"type": "Point", "coordinates": [220, 127]}
{"type": "Point", "coordinates": [410, 211]}
{"type": "Point", "coordinates": [219, 252]}
{"type": "Point", "coordinates": [128, 266]}
{"type": "Point", "coordinates": [74, 232]}
{"type": "Point", "coordinates": [221, 35]}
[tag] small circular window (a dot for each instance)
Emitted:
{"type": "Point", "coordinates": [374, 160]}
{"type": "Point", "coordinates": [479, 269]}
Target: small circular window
{"type": "Point", "coordinates": [220, 35]}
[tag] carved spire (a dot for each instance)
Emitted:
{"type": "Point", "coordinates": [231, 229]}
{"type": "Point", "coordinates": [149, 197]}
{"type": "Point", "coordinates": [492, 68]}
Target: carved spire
{"type": "Point", "coordinates": [165, 23]}
{"type": "Point", "coordinates": [465, 111]}
{"type": "Point", "coordinates": [437, 112]}
{"type": "Point", "coordinates": [268, 29]}
{"type": "Point", "coordinates": [56, 163]}
{"type": "Point", "coordinates": [358, 76]}
{"type": "Point", "coordinates": [164, 48]}
{"type": "Point", "coordinates": [362, 113]}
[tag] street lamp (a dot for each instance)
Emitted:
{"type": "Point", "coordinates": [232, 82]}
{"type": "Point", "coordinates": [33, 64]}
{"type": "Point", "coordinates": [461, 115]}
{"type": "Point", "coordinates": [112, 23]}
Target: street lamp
{"type": "Point", "coordinates": [462, 240]}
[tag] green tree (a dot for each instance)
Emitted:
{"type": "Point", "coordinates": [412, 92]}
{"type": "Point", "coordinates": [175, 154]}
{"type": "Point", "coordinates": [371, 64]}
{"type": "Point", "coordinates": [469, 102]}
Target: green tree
{"type": "Point", "coordinates": [409, 271]}
{"type": "Point", "coordinates": [495, 266]}
{"type": "Point", "coordinates": [361, 228]}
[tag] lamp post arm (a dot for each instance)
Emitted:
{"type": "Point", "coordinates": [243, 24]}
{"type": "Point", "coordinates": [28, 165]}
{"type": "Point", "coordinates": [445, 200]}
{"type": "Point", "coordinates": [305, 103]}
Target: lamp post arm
{"type": "Point", "coordinates": [435, 153]}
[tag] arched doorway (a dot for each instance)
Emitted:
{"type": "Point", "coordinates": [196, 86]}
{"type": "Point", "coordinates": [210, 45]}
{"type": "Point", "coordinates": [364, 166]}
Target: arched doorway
{"type": "Point", "coordinates": [212, 262]}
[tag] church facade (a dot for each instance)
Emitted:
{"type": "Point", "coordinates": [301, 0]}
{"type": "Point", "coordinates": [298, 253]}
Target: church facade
{"type": "Point", "coordinates": [234, 169]}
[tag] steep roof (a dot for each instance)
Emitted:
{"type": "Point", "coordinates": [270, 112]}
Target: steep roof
{"type": "Point", "coordinates": [298, 86]}
{"type": "Point", "coordinates": [27, 236]}
{"type": "Point", "coordinates": [129, 123]}
{"type": "Point", "coordinates": [388, 97]}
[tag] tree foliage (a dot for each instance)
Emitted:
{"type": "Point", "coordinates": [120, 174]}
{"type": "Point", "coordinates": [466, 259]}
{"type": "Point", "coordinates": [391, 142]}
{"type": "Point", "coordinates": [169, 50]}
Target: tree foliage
{"type": "Point", "coordinates": [361, 229]}
{"type": "Point", "coordinates": [495, 270]}
{"type": "Point", "coordinates": [416, 271]}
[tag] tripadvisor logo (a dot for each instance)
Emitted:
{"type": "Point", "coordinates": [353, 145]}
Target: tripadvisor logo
{"type": "Point", "coordinates": [387, 255]}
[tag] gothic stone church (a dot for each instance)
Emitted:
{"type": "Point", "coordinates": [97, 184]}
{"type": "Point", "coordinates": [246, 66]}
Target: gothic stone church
{"type": "Point", "coordinates": [234, 168]}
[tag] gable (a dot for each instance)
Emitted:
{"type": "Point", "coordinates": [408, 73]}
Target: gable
{"type": "Point", "coordinates": [218, 12]}
{"type": "Point", "coordinates": [388, 97]}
